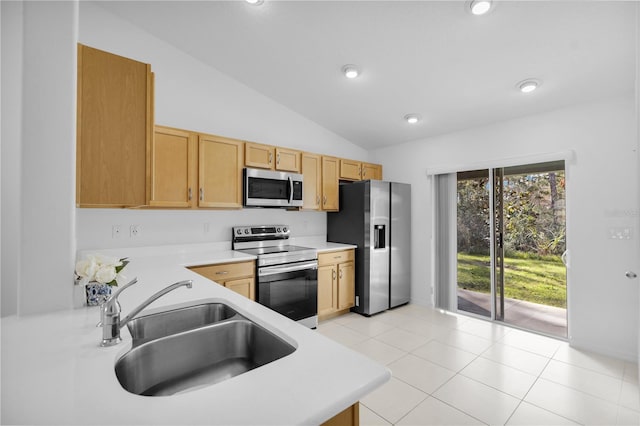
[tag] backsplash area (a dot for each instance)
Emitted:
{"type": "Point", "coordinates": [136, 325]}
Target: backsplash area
{"type": "Point", "coordinates": [112, 228]}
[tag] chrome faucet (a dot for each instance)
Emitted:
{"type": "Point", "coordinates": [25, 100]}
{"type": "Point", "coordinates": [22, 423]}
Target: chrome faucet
{"type": "Point", "coordinates": [110, 311]}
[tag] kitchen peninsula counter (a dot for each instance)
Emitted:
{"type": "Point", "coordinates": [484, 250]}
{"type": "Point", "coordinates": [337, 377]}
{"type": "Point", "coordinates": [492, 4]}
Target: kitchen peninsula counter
{"type": "Point", "coordinates": [54, 372]}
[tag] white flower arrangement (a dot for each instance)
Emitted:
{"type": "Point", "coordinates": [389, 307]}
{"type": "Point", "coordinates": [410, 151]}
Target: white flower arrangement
{"type": "Point", "coordinates": [102, 269]}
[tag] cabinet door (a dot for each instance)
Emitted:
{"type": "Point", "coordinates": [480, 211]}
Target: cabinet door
{"type": "Point", "coordinates": [220, 172]}
{"type": "Point", "coordinates": [312, 181]}
{"type": "Point", "coordinates": [259, 155]}
{"type": "Point", "coordinates": [330, 168]}
{"type": "Point", "coordinates": [346, 285]}
{"type": "Point", "coordinates": [327, 289]}
{"type": "Point", "coordinates": [371, 171]}
{"type": "Point", "coordinates": [350, 170]}
{"type": "Point", "coordinates": [287, 160]}
{"type": "Point", "coordinates": [243, 286]}
{"type": "Point", "coordinates": [173, 164]}
{"type": "Point", "coordinates": [114, 128]}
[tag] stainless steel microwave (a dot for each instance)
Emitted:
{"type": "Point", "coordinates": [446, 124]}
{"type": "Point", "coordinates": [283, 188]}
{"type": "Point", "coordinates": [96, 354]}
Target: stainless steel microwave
{"type": "Point", "coordinates": [267, 188]}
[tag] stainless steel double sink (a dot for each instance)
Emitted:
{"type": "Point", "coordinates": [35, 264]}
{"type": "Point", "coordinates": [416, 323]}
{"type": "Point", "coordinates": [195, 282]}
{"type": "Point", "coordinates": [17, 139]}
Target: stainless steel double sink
{"type": "Point", "coordinates": [189, 347]}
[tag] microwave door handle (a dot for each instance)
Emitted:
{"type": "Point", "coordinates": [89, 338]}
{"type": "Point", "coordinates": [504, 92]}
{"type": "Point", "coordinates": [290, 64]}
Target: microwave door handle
{"type": "Point", "coordinates": [290, 189]}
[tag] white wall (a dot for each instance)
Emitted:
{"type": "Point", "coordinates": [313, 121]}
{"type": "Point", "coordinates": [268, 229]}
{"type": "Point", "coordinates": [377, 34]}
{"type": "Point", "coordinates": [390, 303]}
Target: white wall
{"type": "Point", "coordinates": [602, 191]}
{"type": "Point", "coordinates": [179, 227]}
{"type": "Point", "coordinates": [11, 126]}
{"type": "Point", "coordinates": [192, 95]}
{"type": "Point", "coordinates": [41, 150]}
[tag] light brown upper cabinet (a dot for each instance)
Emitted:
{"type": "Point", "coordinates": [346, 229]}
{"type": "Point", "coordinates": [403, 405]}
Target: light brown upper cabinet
{"type": "Point", "coordinates": [330, 182]}
{"type": "Point", "coordinates": [312, 181]}
{"type": "Point", "coordinates": [174, 159]}
{"type": "Point", "coordinates": [271, 157]}
{"type": "Point", "coordinates": [371, 171]}
{"type": "Point", "coordinates": [349, 169]}
{"type": "Point", "coordinates": [356, 170]}
{"type": "Point", "coordinates": [190, 170]}
{"type": "Point", "coordinates": [114, 129]}
{"type": "Point", "coordinates": [220, 172]}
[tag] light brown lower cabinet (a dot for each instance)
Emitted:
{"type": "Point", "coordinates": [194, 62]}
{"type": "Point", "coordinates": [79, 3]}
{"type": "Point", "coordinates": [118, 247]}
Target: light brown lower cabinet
{"type": "Point", "coordinates": [237, 276]}
{"type": "Point", "coordinates": [348, 417]}
{"type": "Point", "coordinates": [336, 282]}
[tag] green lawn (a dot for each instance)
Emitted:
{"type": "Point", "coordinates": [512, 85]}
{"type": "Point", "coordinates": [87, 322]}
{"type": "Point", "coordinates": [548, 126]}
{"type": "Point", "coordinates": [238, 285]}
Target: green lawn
{"type": "Point", "coordinates": [531, 278]}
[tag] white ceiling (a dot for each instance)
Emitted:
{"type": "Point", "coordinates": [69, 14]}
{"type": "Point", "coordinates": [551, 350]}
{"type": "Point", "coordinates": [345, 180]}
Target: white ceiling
{"type": "Point", "coordinates": [433, 58]}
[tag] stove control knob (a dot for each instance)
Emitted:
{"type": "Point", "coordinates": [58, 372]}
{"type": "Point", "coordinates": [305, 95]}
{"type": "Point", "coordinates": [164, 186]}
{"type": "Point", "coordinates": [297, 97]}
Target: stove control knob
{"type": "Point", "coordinates": [278, 230]}
{"type": "Point", "coordinates": [239, 231]}
{"type": "Point", "coordinates": [284, 229]}
{"type": "Point", "coordinates": [246, 231]}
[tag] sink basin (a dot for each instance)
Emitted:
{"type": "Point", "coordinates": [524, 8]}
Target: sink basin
{"type": "Point", "coordinates": [200, 357]}
{"type": "Point", "coordinates": [150, 327]}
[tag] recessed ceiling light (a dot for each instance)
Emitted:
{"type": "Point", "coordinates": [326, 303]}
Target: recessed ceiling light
{"type": "Point", "coordinates": [528, 85]}
{"type": "Point", "coordinates": [412, 118]}
{"type": "Point", "coordinates": [350, 71]}
{"type": "Point", "coordinates": [255, 2]}
{"type": "Point", "coordinates": [480, 7]}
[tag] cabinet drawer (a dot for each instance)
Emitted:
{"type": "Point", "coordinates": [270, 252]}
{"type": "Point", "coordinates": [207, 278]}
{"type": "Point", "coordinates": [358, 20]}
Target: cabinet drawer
{"type": "Point", "coordinates": [335, 257]}
{"type": "Point", "coordinates": [226, 271]}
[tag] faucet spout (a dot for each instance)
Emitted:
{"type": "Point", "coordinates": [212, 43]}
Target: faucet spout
{"type": "Point", "coordinates": [110, 311]}
{"type": "Point", "coordinates": [153, 298]}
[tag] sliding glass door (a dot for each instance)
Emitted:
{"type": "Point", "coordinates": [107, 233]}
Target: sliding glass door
{"type": "Point", "coordinates": [511, 235]}
{"type": "Point", "coordinates": [473, 224]}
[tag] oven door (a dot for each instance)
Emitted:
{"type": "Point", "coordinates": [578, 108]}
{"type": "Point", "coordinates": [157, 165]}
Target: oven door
{"type": "Point", "coordinates": [291, 290]}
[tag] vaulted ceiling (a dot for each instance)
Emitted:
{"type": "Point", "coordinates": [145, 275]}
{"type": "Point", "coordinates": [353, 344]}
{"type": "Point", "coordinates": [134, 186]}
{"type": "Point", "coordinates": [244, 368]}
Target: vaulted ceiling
{"type": "Point", "coordinates": [433, 58]}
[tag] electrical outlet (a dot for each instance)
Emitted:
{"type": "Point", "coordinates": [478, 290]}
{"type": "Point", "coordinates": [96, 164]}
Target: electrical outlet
{"type": "Point", "coordinates": [134, 231]}
{"type": "Point", "coordinates": [116, 230]}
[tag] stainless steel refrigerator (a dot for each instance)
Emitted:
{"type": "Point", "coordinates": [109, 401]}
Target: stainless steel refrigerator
{"type": "Point", "coordinates": [376, 216]}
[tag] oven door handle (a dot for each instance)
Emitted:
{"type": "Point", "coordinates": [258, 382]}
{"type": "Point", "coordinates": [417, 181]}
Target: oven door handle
{"type": "Point", "coordinates": [282, 269]}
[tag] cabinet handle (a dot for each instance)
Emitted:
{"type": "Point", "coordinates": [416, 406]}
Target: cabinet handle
{"type": "Point", "coordinates": [340, 273]}
{"type": "Point", "coordinates": [270, 158]}
{"type": "Point", "coordinates": [364, 172]}
{"type": "Point", "coordinates": [278, 159]}
{"type": "Point", "coordinates": [222, 272]}
{"type": "Point", "coordinates": [334, 274]}
{"type": "Point", "coordinates": [190, 194]}
{"type": "Point", "coordinates": [317, 199]}
{"type": "Point", "coordinates": [337, 257]}
{"type": "Point", "coordinates": [201, 194]}
{"type": "Point", "coordinates": [324, 200]}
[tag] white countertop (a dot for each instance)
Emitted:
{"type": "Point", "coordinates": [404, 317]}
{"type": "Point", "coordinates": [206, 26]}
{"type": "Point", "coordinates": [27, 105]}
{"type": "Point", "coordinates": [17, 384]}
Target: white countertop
{"type": "Point", "coordinates": [54, 372]}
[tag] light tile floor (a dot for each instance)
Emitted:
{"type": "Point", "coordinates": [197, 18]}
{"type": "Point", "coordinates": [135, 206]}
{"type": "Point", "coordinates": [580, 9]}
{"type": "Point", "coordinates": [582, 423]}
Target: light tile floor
{"type": "Point", "coordinates": [451, 369]}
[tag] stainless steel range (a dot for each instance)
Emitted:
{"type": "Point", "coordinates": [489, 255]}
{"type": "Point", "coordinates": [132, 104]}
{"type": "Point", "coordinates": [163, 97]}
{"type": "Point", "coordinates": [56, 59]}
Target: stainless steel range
{"type": "Point", "coordinates": [287, 275]}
